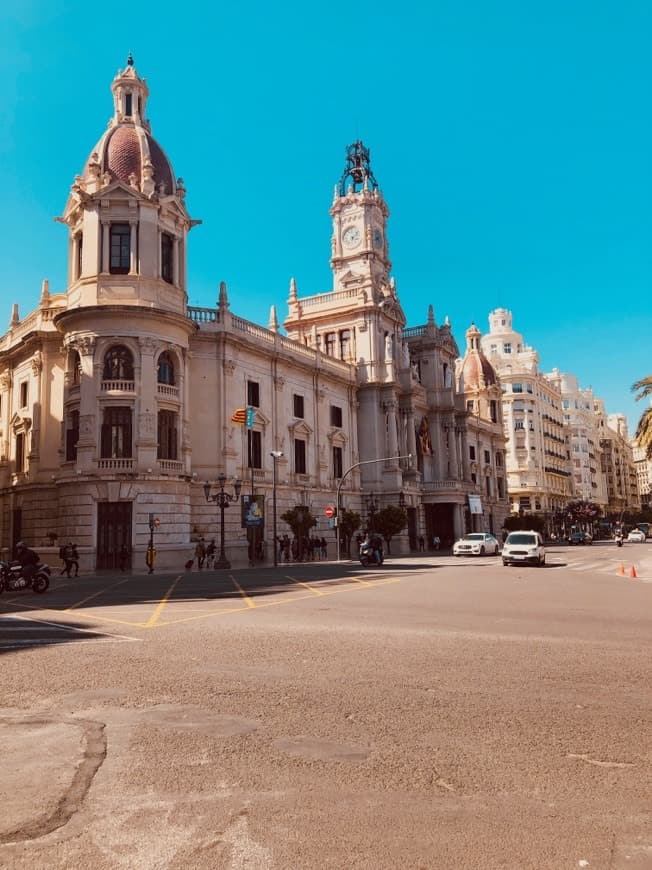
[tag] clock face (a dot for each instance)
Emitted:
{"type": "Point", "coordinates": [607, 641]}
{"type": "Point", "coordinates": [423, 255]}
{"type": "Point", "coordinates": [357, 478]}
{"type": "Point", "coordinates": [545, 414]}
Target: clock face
{"type": "Point", "coordinates": [378, 239]}
{"type": "Point", "coordinates": [351, 237]}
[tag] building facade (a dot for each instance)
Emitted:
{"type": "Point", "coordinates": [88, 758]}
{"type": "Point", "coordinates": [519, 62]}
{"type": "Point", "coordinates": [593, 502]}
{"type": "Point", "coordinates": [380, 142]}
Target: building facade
{"type": "Point", "coordinates": [617, 463]}
{"type": "Point", "coordinates": [538, 461]}
{"type": "Point", "coordinates": [117, 399]}
{"type": "Point", "coordinates": [582, 425]}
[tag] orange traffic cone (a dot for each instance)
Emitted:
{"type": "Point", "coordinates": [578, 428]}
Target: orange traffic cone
{"type": "Point", "coordinates": [621, 570]}
{"type": "Point", "coordinates": [632, 572]}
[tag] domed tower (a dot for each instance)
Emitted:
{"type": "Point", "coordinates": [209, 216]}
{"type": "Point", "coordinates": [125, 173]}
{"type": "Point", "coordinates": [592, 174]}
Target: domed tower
{"type": "Point", "coordinates": [126, 334]}
{"type": "Point", "coordinates": [479, 384]}
{"type": "Point", "coordinates": [126, 213]}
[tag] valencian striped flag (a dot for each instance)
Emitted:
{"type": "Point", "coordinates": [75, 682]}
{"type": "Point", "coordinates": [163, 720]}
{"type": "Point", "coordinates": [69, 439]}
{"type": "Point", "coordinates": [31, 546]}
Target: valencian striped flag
{"type": "Point", "coordinates": [239, 416]}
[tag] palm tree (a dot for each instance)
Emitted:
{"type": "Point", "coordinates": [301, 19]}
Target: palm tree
{"type": "Point", "coordinates": [644, 428]}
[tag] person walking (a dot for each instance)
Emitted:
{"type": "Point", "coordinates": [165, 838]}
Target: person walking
{"type": "Point", "coordinates": [75, 559]}
{"type": "Point", "coordinates": [422, 543]}
{"type": "Point", "coordinates": [210, 554]}
{"type": "Point", "coordinates": [200, 553]}
{"type": "Point", "coordinates": [324, 549]}
{"type": "Point", "coordinates": [123, 557]}
{"type": "Point", "coordinates": [66, 554]}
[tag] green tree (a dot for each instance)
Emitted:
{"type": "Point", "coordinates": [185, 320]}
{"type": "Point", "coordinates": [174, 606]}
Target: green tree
{"type": "Point", "coordinates": [644, 428]}
{"type": "Point", "coordinates": [349, 523]}
{"type": "Point", "coordinates": [390, 521]}
{"type": "Point", "coordinates": [300, 520]}
{"type": "Point", "coordinates": [583, 511]}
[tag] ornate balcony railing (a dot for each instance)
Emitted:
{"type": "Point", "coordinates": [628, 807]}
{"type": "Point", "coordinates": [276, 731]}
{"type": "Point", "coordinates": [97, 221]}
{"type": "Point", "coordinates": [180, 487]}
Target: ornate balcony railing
{"type": "Point", "coordinates": [115, 464]}
{"type": "Point", "coordinates": [118, 386]}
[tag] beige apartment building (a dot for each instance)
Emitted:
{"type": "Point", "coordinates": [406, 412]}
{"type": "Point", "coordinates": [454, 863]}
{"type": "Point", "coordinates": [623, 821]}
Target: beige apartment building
{"type": "Point", "coordinates": [617, 463]}
{"type": "Point", "coordinates": [582, 425]}
{"type": "Point", "coordinates": [537, 460]}
{"type": "Point", "coordinates": [117, 398]}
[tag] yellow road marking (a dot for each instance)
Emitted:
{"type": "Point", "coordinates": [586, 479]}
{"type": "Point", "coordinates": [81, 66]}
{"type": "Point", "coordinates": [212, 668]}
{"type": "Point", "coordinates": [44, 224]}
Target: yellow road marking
{"type": "Point", "coordinates": [154, 617]}
{"type": "Point", "coordinates": [249, 601]}
{"type": "Point", "coordinates": [78, 613]}
{"type": "Point", "coordinates": [95, 595]}
{"type": "Point", "coordinates": [385, 581]}
{"type": "Point", "coordinates": [307, 585]}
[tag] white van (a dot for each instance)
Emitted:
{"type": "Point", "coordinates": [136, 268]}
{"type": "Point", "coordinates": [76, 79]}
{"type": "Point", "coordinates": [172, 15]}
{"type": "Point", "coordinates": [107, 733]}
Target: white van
{"type": "Point", "coordinates": [524, 547]}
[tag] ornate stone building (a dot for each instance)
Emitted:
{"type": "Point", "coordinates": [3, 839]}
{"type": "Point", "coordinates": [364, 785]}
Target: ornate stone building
{"type": "Point", "coordinates": [116, 397]}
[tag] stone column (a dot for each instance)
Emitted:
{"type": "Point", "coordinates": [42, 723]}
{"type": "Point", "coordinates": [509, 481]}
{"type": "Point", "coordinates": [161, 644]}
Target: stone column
{"type": "Point", "coordinates": [175, 262]}
{"type": "Point", "coordinates": [133, 248]}
{"type": "Point", "coordinates": [105, 247]}
{"type": "Point", "coordinates": [90, 376]}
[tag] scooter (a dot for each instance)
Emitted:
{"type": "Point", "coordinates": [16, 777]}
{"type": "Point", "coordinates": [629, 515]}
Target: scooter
{"type": "Point", "coordinates": [12, 579]}
{"type": "Point", "coordinates": [368, 555]}
{"type": "Point", "coordinates": [619, 540]}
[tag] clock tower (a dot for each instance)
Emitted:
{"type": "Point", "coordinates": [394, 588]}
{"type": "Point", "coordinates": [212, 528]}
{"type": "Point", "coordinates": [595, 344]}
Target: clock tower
{"type": "Point", "coordinates": [360, 253]}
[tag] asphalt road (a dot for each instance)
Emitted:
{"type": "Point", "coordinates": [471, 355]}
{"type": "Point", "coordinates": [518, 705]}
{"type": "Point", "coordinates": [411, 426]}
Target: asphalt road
{"type": "Point", "coordinates": [435, 713]}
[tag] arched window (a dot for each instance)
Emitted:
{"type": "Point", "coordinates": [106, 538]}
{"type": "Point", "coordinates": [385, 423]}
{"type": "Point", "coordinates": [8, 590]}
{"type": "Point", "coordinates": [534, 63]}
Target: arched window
{"type": "Point", "coordinates": [118, 364]}
{"type": "Point", "coordinates": [166, 369]}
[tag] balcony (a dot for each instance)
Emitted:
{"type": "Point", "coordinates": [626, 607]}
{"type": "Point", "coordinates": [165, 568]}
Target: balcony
{"type": "Point", "coordinates": [170, 466]}
{"type": "Point", "coordinates": [118, 386]}
{"type": "Point", "coordinates": [115, 464]}
{"type": "Point", "coordinates": [168, 390]}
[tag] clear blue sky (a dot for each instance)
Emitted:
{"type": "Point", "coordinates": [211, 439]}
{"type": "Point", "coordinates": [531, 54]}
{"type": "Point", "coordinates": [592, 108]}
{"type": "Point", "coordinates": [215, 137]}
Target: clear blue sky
{"type": "Point", "coordinates": [511, 140]}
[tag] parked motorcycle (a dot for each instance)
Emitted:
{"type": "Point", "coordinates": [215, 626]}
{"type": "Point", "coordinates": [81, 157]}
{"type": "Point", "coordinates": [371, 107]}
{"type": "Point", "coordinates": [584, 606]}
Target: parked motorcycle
{"type": "Point", "coordinates": [619, 540]}
{"type": "Point", "coordinates": [12, 579]}
{"type": "Point", "coordinates": [368, 555]}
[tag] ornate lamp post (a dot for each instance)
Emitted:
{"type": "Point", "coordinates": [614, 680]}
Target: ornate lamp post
{"type": "Point", "coordinates": [222, 500]}
{"type": "Point", "coordinates": [372, 507]}
{"type": "Point", "coordinates": [276, 455]}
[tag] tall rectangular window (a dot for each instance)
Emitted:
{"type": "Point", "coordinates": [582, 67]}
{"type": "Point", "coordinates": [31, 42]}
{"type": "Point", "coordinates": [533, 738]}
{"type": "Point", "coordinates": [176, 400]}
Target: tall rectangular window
{"type": "Point", "coordinates": [20, 452]}
{"type": "Point", "coordinates": [72, 436]}
{"type": "Point", "coordinates": [330, 343]}
{"type": "Point", "coordinates": [487, 457]}
{"type": "Point", "coordinates": [471, 451]}
{"type": "Point", "coordinates": [299, 456]}
{"type": "Point", "coordinates": [345, 343]}
{"type": "Point", "coordinates": [493, 411]}
{"type": "Point", "coordinates": [167, 258]}
{"type": "Point", "coordinates": [336, 416]}
{"type": "Point", "coordinates": [337, 462]}
{"type": "Point", "coordinates": [120, 249]}
{"type": "Point", "coordinates": [253, 394]}
{"type": "Point", "coordinates": [298, 406]}
{"type": "Point", "coordinates": [23, 394]}
{"type": "Point", "coordinates": [254, 448]}
{"type": "Point", "coordinates": [116, 433]}
{"type": "Point", "coordinates": [167, 435]}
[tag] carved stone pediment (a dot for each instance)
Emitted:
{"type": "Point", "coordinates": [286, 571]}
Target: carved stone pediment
{"type": "Point", "coordinates": [300, 429]}
{"type": "Point", "coordinates": [20, 422]}
{"type": "Point", "coordinates": [336, 437]}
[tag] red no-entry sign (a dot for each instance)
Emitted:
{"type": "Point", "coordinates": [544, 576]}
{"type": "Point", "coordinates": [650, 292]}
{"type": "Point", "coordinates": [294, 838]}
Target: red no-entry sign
{"type": "Point", "coordinates": [329, 511]}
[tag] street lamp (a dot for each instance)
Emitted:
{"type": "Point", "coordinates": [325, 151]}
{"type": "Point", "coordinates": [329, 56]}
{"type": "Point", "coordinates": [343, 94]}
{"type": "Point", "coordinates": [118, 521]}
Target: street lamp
{"type": "Point", "coordinates": [401, 500]}
{"type": "Point", "coordinates": [276, 455]}
{"type": "Point", "coordinates": [222, 500]}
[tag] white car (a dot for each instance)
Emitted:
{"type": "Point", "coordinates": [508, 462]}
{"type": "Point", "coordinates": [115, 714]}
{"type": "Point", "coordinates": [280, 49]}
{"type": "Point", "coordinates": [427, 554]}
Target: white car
{"type": "Point", "coordinates": [476, 544]}
{"type": "Point", "coordinates": [636, 535]}
{"type": "Point", "coordinates": [525, 547]}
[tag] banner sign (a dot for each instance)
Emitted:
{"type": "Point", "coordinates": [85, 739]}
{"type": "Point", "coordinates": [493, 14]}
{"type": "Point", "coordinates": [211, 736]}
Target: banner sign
{"type": "Point", "coordinates": [252, 511]}
{"type": "Point", "coordinates": [475, 504]}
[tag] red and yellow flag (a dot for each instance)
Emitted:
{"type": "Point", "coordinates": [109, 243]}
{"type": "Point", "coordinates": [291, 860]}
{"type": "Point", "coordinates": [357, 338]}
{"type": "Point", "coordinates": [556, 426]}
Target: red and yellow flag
{"type": "Point", "coordinates": [239, 416]}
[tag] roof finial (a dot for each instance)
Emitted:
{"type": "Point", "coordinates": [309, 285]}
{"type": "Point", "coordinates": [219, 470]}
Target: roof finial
{"type": "Point", "coordinates": [273, 319]}
{"type": "Point", "coordinates": [130, 59]}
